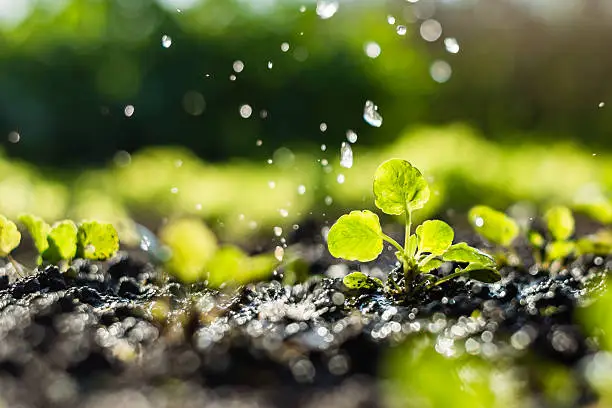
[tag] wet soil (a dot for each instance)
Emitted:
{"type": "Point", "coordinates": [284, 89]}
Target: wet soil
{"type": "Point", "coordinates": [111, 335]}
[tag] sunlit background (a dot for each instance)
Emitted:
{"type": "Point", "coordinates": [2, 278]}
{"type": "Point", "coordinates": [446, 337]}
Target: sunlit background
{"type": "Point", "coordinates": [238, 111]}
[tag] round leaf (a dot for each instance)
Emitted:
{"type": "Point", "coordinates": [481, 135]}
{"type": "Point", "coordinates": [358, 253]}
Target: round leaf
{"type": "Point", "coordinates": [493, 225]}
{"type": "Point", "coordinates": [434, 236]}
{"type": "Point", "coordinates": [97, 240]}
{"type": "Point", "coordinates": [359, 280]}
{"type": "Point", "coordinates": [356, 236]}
{"type": "Point", "coordinates": [462, 252]}
{"type": "Point", "coordinates": [431, 265]}
{"type": "Point", "coordinates": [560, 222]}
{"type": "Point", "coordinates": [559, 250]}
{"type": "Point", "coordinates": [10, 237]}
{"type": "Point", "coordinates": [191, 245]}
{"type": "Point", "coordinates": [482, 273]}
{"type": "Point", "coordinates": [399, 187]}
{"type": "Point", "coordinates": [38, 229]}
{"type": "Point", "coordinates": [62, 240]}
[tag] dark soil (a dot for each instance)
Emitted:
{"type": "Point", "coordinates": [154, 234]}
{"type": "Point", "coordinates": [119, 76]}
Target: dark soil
{"type": "Point", "coordinates": [109, 335]}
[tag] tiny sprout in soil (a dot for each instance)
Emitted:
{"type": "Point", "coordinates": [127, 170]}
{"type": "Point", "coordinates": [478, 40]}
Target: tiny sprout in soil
{"type": "Point", "coordinates": [401, 189]}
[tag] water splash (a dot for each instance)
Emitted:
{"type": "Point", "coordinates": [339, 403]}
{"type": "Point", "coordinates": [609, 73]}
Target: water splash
{"type": "Point", "coordinates": [371, 115]}
{"type": "Point", "coordinates": [346, 155]}
{"type": "Point", "coordinates": [326, 9]}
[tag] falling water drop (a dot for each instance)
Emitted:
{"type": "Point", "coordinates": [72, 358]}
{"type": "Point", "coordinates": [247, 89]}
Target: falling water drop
{"type": "Point", "coordinates": [351, 136]}
{"type": "Point", "coordinates": [328, 200]}
{"type": "Point", "coordinates": [278, 231]}
{"type": "Point", "coordinates": [166, 41]}
{"type": "Point", "coordinates": [323, 147]}
{"type": "Point", "coordinates": [401, 29]}
{"type": "Point", "coordinates": [346, 155]}
{"type": "Point", "coordinates": [340, 179]}
{"type": "Point", "coordinates": [301, 189]}
{"type": "Point", "coordinates": [279, 252]}
{"type": "Point", "coordinates": [451, 45]}
{"type": "Point", "coordinates": [326, 8]}
{"type": "Point", "coordinates": [270, 64]}
{"type": "Point", "coordinates": [371, 115]}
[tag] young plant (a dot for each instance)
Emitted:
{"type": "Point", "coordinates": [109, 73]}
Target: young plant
{"type": "Point", "coordinates": [497, 228]}
{"type": "Point", "coordinates": [64, 240]}
{"type": "Point", "coordinates": [9, 240]}
{"type": "Point", "coordinates": [400, 189]}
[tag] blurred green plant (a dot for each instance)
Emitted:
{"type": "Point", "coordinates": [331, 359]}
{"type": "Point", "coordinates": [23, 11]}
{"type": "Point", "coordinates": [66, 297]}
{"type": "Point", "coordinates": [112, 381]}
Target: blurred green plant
{"type": "Point", "coordinates": [400, 189]}
{"type": "Point", "coordinates": [195, 256]}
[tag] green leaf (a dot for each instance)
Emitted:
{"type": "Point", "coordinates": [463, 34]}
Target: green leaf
{"type": "Point", "coordinates": [97, 240]}
{"type": "Point", "coordinates": [359, 280]}
{"type": "Point", "coordinates": [191, 245]}
{"type": "Point", "coordinates": [560, 222]}
{"type": "Point", "coordinates": [599, 210]}
{"type": "Point", "coordinates": [536, 239]}
{"type": "Point", "coordinates": [356, 236]}
{"type": "Point", "coordinates": [434, 236]}
{"type": "Point", "coordinates": [230, 266]}
{"type": "Point", "coordinates": [482, 273]}
{"type": "Point", "coordinates": [431, 265]}
{"type": "Point", "coordinates": [10, 237]}
{"type": "Point", "coordinates": [38, 229]}
{"type": "Point", "coordinates": [62, 240]}
{"type": "Point", "coordinates": [559, 250]}
{"type": "Point", "coordinates": [462, 252]}
{"type": "Point", "coordinates": [493, 225]}
{"type": "Point", "coordinates": [399, 187]}
{"type": "Point", "coordinates": [599, 243]}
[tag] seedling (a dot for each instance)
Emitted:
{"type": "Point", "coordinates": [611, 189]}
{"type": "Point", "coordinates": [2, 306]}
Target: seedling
{"type": "Point", "coordinates": [64, 240]}
{"type": "Point", "coordinates": [497, 228]}
{"type": "Point", "coordinates": [400, 189]}
{"type": "Point", "coordinates": [9, 240]}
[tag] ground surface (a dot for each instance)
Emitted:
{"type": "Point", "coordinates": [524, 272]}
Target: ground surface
{"type": "Point", "coordinates": [109, 335]}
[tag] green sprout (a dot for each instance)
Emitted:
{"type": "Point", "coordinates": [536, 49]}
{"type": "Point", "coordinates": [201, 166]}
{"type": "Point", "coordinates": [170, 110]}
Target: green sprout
{"type": "Point", "coordinates": [62, 241]}
{"type": "Point", "coordinates": [400, 189]}
{"type": "Point", "coordinates": [10, 237]}
{"type": "Point", "coordinates": [560, 223]}
{"type": "Point", "coordinates": [498, 229]}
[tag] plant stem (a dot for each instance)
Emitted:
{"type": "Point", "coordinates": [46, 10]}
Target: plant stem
{"type": "Point", "coordinates": [393, 242]}
{"type": "Point", "coordinates": [448, 277]}
{"type": "Point", "coordinates": [407, 248]}
{"type": "Point", "coordinates": [427, 259]}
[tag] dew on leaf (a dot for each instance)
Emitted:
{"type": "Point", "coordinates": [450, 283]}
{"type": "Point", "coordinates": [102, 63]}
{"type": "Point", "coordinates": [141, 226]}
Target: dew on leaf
{"type": "Point", "coordinates": [371, 115]}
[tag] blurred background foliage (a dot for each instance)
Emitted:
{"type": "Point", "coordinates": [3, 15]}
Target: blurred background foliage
{"type": "Point", "coordinates": [135, 109]}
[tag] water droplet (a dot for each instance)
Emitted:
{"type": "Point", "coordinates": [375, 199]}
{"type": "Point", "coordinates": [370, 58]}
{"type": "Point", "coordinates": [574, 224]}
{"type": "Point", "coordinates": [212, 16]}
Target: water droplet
{"type": "Point", "coordinates": [302, 9]}
{"type": "Point", "coordinates": [129, 111]}
{"type": "Point", "coordinates": [283, 157]}
{"type": "Point", "coordinates": [174, 190]}
{"type": "Point", "coordinates": [278, 231]}
{"type": "Point", "coordinates": [285, 47]}
{"type": "Point", "coordinates": [328, 200]}
{"type": "Point", "coordinates": [601, 104]}
{"type": "Point", "coordinates": [194, 103]}
{"type": "Point", "coordinates": [440, 71]}
{"type": "Point", "coordinates": [271, 184]}
{"type": "Point", "coordinates": [295, 227]}
{"type": "Point", "coordinates": [401, 29]}
{"type": "Point", "coordinates": [431, 30]}
{"type": "Point", "coordinates": [301, 189]}
{"type": "Point", "coordinates": [238, 66]}
{"type": "Point", "coordinates": [198, 206]}
{"type": "Point", "coordinates": [372, 49]}
{"type": "Point", "coordinates": [259, 142]}
{"type": "Point", "coordinates": [340, 178]}
{"type": "Point", "coordinates": [371, 115]}
{"type": "Point", "coordinates": [270, 64]}
{"type": "Point", "coordinates": [451, 45]}
{"type": "Point", "coordinates": [346, 157]}
{"type": "Point", "coordinates": [323, 127]}
{"type": "Point", "coordinates": [324, 162]}
{"type": "Point", "coordinates": [479, 222]}
{"type": "Point", "coordinates": [279, 252]}
{"type": "Point", "coordinates": [178, 163]}
{"type": "Point", "coordinates": [121, 158]}
{"type": "Point", "coordinates": [351, 136]}
{"type": "Point", "coordinates": [263, 114]}
{"type": "Point", "coordinates": [166, 41]}
{"type": "Point", "coordinates": [270, 161]}
{"type": "Point", "coordinates": [390, 20]}
{"type": "Point", "coordinates": [326, 8]}
{"type": "Point", "coordinates": [246, 111]}
{"type": "Point", "coordinates": [323, 147]}
{"type": "Point", "coordinates": [284, 213]}
{"type": "Point", "coordinates": [232, 77]}
{"type": "Point", "coordinates": [14, 137]}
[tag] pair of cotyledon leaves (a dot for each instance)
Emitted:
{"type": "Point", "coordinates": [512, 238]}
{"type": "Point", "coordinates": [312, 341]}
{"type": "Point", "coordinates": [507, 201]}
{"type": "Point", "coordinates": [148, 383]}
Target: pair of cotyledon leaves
{"type": "Point", "coordinates": [399, 188]}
